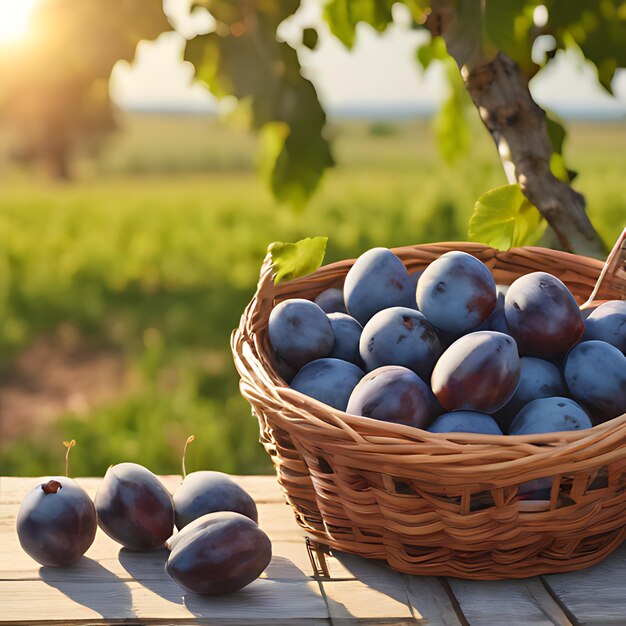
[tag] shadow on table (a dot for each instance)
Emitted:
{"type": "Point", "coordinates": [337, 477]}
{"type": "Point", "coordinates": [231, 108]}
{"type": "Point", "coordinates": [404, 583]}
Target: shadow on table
{"type": "Point", "coordinates": [105, 593]}
{"type": "Point", "coordinates": [282, 568]}
{"type": "Point", "coordinates": [284, 592]}
{"type": "Point", "coordinates": [148, 568]}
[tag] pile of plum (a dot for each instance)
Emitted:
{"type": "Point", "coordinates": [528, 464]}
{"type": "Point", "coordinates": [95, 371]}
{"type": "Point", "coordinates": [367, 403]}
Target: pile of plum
{"type": "Point", "coordinates": [448, 350]}
{"type": "Point", "coordinates": [219, 547]}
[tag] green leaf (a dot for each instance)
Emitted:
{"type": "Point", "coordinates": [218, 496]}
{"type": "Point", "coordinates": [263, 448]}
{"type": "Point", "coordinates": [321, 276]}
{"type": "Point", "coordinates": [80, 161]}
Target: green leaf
{"type": "Point", "coordinates": [509, 26]}
{"type": "Point", "coordinates": [433, 50]}
{"type": "Point", "coordinates": [451, 122]}
{"type": "Point", "coordinates": [504, 218]}
{"type": "Point", "coordinates": [556, 132]}
{"type": "Point", "coordinates": [252, 65]}
{"type": "Point", "coordinates": [597, 28]}
{"type": "Point", "coordinates": [271, 143]}
{"type": "Point", "coordinates": [342, 16]}
{"type": "Point", "coordinates": [293, 260]}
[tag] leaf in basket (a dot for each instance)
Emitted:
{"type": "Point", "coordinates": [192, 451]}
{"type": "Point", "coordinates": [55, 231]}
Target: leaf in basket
{"type": "Point", "coordinates": [292, 260]}
{"type": "Point", "coordinates": [504, 218]}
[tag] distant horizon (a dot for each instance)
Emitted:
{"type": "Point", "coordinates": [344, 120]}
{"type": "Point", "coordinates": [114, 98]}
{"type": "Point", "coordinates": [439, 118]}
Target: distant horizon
{"type": "Point", "coordinates": [380, 112]}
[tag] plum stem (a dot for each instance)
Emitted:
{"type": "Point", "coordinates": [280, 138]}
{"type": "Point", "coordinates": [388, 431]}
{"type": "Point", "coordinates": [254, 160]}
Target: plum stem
{"type": "Point", "coordinates": [52, 486]}
{"type": "Point", "coordinates": [69, 445]}
{"type": "Point", "coordinates": [189, 440]}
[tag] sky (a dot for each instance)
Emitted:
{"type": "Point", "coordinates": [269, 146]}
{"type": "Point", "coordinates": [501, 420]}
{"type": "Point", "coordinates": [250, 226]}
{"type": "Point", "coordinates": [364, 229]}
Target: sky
{"type": "Point", "coordinates": [379, 75]}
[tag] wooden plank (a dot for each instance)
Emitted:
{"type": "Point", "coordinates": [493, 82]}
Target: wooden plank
{"type": "Point", "coordinates": [425, 595]}
{"type": "Point", "coordinates": [430, 601]}
{"type": "Point", "coordinates": [510, 602]}
{"type": "Point", "coordinates": [596, 595]}
{"type": "Point", "coordinates": [264, 601]}
{"type": "Point", "coordinates": [356, 602]}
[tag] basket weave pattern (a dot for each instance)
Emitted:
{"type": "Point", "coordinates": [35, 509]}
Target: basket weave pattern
{"type": "Point", "coordinates": [438, 504]}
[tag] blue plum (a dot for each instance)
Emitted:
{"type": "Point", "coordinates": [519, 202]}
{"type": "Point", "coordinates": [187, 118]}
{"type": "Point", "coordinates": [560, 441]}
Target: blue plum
{"type": "Point", "coordinates": [549, 415]}
{"type": "Point", "coordinates": [394, 394]}
{"type": "Point", "coordinates": [300, 332]}
{"type": "Point", "coordinates": [377, 281]}
{"type": "Point", "coordinates": [218, 553]}
{"type": "Point", "coordinates": [608, 323]}
{"type": "Point", "coordinates": [347, 332]}
{"type": "Point", "coordinates": [542, 315]}
{"type": "Point", "coordinates": [456, 292]}
{"type": "Point", "coordinates": [209, 492]}
{"type": "Point", "coordinates": [478, 372]}
{"type": "Point", "coordinates": [284, 370]}
{"type": "Point", "coordinates": [331, 301]}
{"type": "Point", "coordinates": [400, 336]}
{"type": "Point", "coordinates": [538, 379]}
{"type": "Point", "coordinates": [330, 381]}
{"type": "Point", "coordinates": [134, 508]}
{"type": "Point", "coordinates": [497, 320]}
{"type": "Point", "coordinates": [56, 522]}
{"type": "Point", "coordinates": [595, 373]}
{"type": "Point", "coordinates": [465, 422]}
{"type": "Point", "coordinates": [537, 489]}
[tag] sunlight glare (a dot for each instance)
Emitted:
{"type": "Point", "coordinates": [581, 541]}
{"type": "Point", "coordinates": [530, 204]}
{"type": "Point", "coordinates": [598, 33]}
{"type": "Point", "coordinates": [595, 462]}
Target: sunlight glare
{"type": "Point", "coordinates": [14, 19]}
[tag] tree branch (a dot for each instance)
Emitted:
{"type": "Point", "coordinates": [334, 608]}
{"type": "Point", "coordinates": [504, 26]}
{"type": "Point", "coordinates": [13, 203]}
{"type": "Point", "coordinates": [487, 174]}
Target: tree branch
{"type": "Point", "coordinates": [517, 125]}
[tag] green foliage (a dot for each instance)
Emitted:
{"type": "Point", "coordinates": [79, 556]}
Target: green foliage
{"type": "Point", "coordinates": [293, 260]}
{"type": "Point", "coordinates": [159, 267]}
{"type": "Point", "coordinates": [597, 28]}
{"type": "Point", "coordinates": [342, 16]}
{"type": "Point", "coordinates": [451, 123]}
{"type": "Point", "coordinates": [243, 58]}
{"type": "Point", "coordinates": [504, 218]}
{"type": "Point", "coordinates": [54, 90]}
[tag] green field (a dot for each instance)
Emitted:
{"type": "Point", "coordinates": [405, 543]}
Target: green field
{"type": "Point", "coordinates": [150, 256]}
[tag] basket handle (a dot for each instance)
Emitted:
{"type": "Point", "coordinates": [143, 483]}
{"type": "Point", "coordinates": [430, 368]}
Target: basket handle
{"type": "Point", "coordinates": [615, 265]}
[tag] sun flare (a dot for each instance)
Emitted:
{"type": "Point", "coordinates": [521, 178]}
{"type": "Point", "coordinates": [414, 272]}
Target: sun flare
{"type": "Point", "coordinates": [14, 19]}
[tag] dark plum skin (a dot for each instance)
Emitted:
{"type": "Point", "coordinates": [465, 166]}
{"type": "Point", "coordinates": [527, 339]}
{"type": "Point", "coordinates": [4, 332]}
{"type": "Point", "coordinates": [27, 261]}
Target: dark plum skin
{"type": "Point", "coordinates": [414, 278]}
{"type": "Point", "coordinates": [497, 320]}
{"type": "Point", "coordinates": [538, 379]}
{"type": "Point", "coordinates": [285, 371]}
{"type": "Point", "coordinates": [376, 281]}
{"type": "Point", "coordinates": [465, 422]}
{"type": "Point", "coordinates": [538, 489]}
{"type": "Point", "coordinates": [330, 381]}
{"type": "Point", "coordinates": [608, 323]}
{"type": "Point", "coordinates": [400, 336]}
{"type": "Point", "coordinates": [542, 315]}
{"type": "Point", "coordinates": [595, 373]}
{"type": "Point", "coordinates": [210, 492]}
{"type": "Point", "coordinates": [478, 372]}
{"type": "Point", "coordinates": [218, 553]}
{"type": "Point", "coordinates": [56, 523]}
{"type": "Point", "coordinates": [394, 394]}
{"type": "Point", "coordinates": [331, 301]}
{"type": "Point", "coordinates": [134, 508]}
{"type": "Point", "coordinates": [300, 332]}
{"type": "Point", "coordinates": [456, 292]}
{"type": "Point", "coordinates": [347, 333]}
{"type": "Point", "coordinates": [550, 415]}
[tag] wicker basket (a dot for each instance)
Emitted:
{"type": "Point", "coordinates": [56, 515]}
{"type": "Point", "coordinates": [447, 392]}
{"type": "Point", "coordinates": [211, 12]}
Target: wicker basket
{"type": "Point", "coordinates": [438, 504]}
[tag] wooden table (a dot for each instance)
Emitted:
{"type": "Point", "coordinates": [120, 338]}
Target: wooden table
{"type": "Point", "coordinates": [111, 584]}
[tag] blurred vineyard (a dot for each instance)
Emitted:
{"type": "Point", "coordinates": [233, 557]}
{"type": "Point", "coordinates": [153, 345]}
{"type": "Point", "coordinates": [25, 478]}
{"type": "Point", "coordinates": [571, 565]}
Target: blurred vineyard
{"type": "Point", "coordinates": [118, 292]}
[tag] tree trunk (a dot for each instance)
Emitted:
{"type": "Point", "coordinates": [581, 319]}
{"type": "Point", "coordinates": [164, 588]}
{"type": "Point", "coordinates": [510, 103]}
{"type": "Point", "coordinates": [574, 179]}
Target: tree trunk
{"type": "Point", "coordinates": [58, 161]}
{"type": "Point", "coordinates": [517, 124]}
